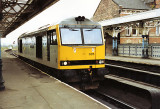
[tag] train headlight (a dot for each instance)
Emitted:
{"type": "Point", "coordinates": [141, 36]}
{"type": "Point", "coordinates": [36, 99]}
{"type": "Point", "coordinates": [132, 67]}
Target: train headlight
{"type": "Point", "coordinates": [65, 63]}
{"type": "Point", "coordinates": [101, 61]}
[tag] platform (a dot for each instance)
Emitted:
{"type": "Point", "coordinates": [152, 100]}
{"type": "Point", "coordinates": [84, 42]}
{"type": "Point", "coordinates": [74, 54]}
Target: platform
{"type": "Point", "coordinates": [28, 88]}
{"type": "Point", "coordinates": [148, 61]}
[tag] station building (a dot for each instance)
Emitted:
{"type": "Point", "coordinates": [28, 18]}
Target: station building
{"type": "Point", "coordinates": [130, 37]}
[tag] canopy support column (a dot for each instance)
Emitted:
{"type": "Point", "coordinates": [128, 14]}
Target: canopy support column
{"type": "Point", "coordinates": [115, 41]}
{"type": "Point", "coordinates": [145, 40]}
{"type": "Point", "coordinates": [1, 15]}
{"type": "Point", "coordinates": [145, 46]}
{"type": "Point", "coordinates": [2, 87]}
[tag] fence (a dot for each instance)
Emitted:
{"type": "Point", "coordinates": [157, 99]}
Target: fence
{"type": "Point", "coordinates": [135, 50]}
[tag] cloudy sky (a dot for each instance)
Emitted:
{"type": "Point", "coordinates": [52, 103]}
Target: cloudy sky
{"type": "Point", "coordinates": [59, 11]}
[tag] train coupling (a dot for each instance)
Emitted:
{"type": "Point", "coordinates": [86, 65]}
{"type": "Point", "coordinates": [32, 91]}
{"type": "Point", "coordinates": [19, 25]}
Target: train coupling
{"type": "Point", "coordinates": [87, 75]}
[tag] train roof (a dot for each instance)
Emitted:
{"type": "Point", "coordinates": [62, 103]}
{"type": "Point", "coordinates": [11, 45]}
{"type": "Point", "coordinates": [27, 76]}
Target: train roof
{"type": "Point", "coordinates": [77, 20]}
{"type": "Point", "coordinates": [70, 21]}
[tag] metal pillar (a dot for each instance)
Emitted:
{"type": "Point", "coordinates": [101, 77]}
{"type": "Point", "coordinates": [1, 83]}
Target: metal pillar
{"type": "Point", "coordinates": [145, 46]}
{"type": "Point", "coordinates": [2, 87]}
{"type": "Point", "coordinates": [114, 47]}
{"type": "Point", "coordinates": [115, 41]}
{"type": "Point", "coordinates": [1, 15]}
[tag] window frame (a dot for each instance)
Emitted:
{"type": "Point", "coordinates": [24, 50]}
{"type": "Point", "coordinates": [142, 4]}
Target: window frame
{"type": "Point", "coordinates": [83, 44]}
{"type": "Point", "coordinates": [51, 34]}
{"type": "Point", "coordinates": [92, 44]}
{"type": "Point", "coordinates": [128, 31]}
{"type": "Point", "coordinates": [72, 44]}
{"type": "Point", "coordinates": [135, 31]}
{"type": "Point", "coordinates": [157, 30]}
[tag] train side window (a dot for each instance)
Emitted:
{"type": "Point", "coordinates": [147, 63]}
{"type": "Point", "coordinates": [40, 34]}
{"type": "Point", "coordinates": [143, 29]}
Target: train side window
{"type": "Point", "coordinates": [53, 38]}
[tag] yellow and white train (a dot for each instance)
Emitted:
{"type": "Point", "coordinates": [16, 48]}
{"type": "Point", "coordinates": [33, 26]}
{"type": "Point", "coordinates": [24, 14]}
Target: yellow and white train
{"type": "Point", "coordinates": [74, 48]}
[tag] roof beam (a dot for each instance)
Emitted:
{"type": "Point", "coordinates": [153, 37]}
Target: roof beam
{"type": "Point", "coordinates": [14, 13]}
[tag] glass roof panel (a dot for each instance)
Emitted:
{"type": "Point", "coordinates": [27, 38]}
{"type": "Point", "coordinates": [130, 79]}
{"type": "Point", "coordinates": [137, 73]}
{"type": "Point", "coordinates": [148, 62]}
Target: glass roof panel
{"type": "Point", "coordinates": [14, 13]}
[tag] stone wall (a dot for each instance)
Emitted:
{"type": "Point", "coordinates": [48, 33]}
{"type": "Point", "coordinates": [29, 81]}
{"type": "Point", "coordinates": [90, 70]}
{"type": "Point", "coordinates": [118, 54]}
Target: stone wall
{"type": "Point", "coordinates": [107, 9]}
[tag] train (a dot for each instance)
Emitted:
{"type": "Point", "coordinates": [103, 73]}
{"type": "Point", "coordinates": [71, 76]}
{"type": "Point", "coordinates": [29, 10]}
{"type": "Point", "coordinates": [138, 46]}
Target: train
{"type": "Point", "coordinates": [74, 48]}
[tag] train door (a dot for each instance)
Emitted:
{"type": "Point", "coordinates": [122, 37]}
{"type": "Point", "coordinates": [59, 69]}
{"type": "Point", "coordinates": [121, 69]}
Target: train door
{"type": "Point", "coordinates": [52, 47]}
{"type": "Point", "coordinates": [48, 45]}
{"type": "Point", "coordinates": [20, 45]}
{"type": "Point", "coordinates": [39, 47]}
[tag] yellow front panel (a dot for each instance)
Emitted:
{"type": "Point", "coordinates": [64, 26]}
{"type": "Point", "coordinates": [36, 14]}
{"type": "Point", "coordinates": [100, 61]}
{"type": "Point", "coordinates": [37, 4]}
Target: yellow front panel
{"type": "Point", "coordinates": [77, 53]}
{"type": "Point", "coordinates": [81, 53]}
{"type": "Point", "coordinates": [100, 52]}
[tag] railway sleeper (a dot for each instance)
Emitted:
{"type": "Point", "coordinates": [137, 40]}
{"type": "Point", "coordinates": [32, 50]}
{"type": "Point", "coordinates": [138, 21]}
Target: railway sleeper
{"type": "Point", "coordinates": [134, 94]}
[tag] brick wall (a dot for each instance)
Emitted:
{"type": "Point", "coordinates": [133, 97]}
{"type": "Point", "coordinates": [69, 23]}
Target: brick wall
{"type": "Point", "coordinates": [138, 40]}
{"type": "Point", "coordinates": [107, 9]}
{"type": "Point", "coordinates": [157, 3]}
{"type": "Point", "coordinates": [130, 40]}
{"type": "Point", "coordinates": [154, 40]}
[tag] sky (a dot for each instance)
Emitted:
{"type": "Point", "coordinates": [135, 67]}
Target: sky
{"type": "Point", "coordinates": [59, 11]}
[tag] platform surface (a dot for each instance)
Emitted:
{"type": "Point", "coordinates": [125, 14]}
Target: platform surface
{"type": "Point", "coordinates": [148, 61]}
{"type": "Point", "coordinates": [28, 88]}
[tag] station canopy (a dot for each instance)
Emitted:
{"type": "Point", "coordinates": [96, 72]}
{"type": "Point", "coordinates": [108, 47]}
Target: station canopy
{"type": "Point", "coordinates": [130, 19]}
{"type": "Point", "coordinates": [14, 13]}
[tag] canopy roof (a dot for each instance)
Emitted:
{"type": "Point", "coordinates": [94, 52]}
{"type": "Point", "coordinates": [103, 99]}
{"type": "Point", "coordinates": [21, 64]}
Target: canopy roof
{"type": "Point", "coordinates": [14, 13]}
{"type": "Point", "coordinates": [144, 16]}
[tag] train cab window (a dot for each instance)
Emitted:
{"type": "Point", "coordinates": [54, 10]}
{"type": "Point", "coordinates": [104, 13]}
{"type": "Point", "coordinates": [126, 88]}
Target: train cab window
{"type": "Point", "coordinates": [92, 36]}
{"type": "Point", "coordinates": [68, 36]}
{"type": "Point", "coordinates": [53, 38]}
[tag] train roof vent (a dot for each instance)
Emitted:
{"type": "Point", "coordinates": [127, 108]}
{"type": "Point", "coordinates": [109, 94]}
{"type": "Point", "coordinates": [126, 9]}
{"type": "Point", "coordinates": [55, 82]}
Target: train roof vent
{"type": "Point", "coordinates": [80, 18]}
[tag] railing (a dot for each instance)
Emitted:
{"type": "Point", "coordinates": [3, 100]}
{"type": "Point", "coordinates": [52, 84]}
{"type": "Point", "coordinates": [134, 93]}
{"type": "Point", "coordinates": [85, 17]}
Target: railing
{"type": "Point", "coordinates": [135, 50]}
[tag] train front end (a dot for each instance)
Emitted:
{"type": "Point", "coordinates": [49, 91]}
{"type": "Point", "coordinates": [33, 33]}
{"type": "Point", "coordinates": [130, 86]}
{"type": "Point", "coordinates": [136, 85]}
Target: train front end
{"type": "Point", "coordinates": [81, 50]}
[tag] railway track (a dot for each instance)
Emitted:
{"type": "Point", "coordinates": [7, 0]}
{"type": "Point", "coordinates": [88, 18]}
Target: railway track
{"type": "Point", "coordinates": [134, 93]}
{"type": "Point", "coordinates": [109, 100]}
{"type": "Point", "coordinates": [136, 74]}
{"type": "Point", "coordinates": [139, 66]}
{"type": "Point", "coordinates": [147, 83]}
